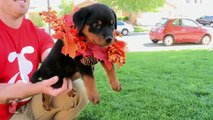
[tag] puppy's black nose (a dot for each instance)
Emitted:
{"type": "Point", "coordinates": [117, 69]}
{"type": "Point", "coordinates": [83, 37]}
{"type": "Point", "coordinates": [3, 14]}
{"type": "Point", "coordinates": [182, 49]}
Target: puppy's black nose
{"type": "Point", "coordinates": [108, 39]}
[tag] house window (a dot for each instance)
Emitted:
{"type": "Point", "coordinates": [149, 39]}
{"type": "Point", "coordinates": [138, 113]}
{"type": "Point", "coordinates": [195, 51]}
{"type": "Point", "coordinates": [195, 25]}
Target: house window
{"type": "Point", "coordinates": [194, 1]}
{"type": "Point", "coordinates": [187, 1]}
{"type": "Point", "coordinates": [198, 1]}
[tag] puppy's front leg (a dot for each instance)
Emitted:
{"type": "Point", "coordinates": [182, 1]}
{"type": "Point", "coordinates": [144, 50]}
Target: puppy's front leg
{"type": "Point", "coordinates": [112, 77]}
{"type": "Point", "coordinates": [46, 102]}
{"type": "Point", "coordinates": [89, 81]}
{"type": "Point", "coordinates": [91, 89]}
{"type": "Point", "coordinates": [75, 76]}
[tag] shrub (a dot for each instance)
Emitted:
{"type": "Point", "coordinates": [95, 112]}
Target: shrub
{"type": "Point", "coordinates": [37, 19]}
{"type": "Point", "coordinates": [139, 29]}
{"type": "Point", "coordinates": [123, 18]}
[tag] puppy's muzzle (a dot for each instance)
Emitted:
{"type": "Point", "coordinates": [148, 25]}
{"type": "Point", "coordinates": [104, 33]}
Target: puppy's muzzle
{"type": "Point", "coordinates": [108, 39]}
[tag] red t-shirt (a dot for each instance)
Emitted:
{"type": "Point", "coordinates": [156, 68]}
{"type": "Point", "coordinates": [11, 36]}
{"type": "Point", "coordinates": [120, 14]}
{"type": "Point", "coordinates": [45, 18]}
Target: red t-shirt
{"type": "Point", "coordinates": [20, 55]}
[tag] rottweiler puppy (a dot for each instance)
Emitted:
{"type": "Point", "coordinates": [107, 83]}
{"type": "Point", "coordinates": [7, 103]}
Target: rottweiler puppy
{"type": "Point", "coordinates": [96, 23]}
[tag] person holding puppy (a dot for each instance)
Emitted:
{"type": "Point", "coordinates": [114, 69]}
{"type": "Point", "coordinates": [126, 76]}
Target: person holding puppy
{"type": "Point", "coordinates": [23, 48]}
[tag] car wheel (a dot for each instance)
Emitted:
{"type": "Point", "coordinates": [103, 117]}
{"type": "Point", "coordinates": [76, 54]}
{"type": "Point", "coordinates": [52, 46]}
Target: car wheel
{"type": "Point", "coordinates": [168, 40]}
{"type": "Point", "coordinates": [155, 41]}
{"type": "Point", "coordinates": [125, 32]}
{"type": "Point", "coordinates": [205, 40]}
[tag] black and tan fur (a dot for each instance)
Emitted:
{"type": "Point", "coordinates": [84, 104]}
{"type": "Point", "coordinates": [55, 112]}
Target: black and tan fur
{"type": "Point", "coordinates": [96, 23]}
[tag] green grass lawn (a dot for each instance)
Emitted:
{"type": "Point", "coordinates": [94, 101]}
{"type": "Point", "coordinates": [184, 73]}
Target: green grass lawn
{"type": "Point", "coordinates": [173, 85]}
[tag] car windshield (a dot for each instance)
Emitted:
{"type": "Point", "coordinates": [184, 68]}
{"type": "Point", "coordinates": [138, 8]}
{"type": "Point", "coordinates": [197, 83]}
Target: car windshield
{"type": "Point", "coordinates": [162, 22]}
{"type": "Point", "coordinates": [120, 23]}
{"type": "Point", "coordinates": [203, 17]}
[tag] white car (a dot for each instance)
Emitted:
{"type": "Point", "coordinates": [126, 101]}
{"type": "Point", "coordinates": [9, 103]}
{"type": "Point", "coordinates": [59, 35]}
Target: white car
{"type": "Point", "coordinates": [124, 28]}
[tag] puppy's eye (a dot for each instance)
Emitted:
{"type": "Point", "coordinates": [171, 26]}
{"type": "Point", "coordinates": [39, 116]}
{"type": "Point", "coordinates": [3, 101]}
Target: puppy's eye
{"type": "Point", "coordinates": [112, 22]}
{"type": "Point", "coordinates": [96, 26]}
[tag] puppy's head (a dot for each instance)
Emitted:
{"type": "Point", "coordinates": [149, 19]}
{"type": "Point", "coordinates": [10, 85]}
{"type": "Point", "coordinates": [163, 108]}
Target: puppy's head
{"type": "Point", "coordinates": [96, 23]}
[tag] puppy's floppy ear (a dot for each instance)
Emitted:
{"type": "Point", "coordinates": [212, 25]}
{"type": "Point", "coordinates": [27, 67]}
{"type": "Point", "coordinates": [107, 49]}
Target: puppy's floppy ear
{"type": "Point", "coordinates": [79, 18]}
{"type": "Point", "coordinates": [115, 18]}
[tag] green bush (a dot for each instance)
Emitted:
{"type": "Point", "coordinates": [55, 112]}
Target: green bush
{"type": "Point", "coordinates": [139, 29]}
{"type": "Point", "coordinates": [123, 18]}
{"type": "Point", "coordinates": [66, 7]}
{"type": "Point", "coordinates": [37, 19]}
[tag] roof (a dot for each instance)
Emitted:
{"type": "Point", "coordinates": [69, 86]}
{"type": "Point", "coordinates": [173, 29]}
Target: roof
{"type": "Point", "coordinates": [85, 3]}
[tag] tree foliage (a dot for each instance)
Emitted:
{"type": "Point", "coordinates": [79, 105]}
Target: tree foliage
{"type": "Point", "coordinates": [135, 5]}
{"type": "Point", "coordinates": [66, 7]}
{"type": "Point", "coordinates": [36, 19]}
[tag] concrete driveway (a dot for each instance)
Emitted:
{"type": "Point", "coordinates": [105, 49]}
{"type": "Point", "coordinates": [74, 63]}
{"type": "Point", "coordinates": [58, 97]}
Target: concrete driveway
{"type": "Point", "coordinates": [141, 42]}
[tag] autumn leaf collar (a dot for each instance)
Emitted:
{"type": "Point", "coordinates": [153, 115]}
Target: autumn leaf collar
{"type": "Point", "coordinates": [75, 45]}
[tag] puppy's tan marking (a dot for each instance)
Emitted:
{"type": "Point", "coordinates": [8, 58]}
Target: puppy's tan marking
{"type": "Point", "coordinates": [91, 89]}
{"type": "Point", "coordinates": [46, 102]}
{"type": "Point", "coordinates": [92, 38]}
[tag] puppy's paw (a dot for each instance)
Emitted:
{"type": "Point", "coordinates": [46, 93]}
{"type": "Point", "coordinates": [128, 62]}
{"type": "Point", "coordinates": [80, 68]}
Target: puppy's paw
{"type": "Point", "coordinates": [116, 86]}
{"type": "Point", "coordinates": [72, 93]}
{"type": "Point", "coordinates": [46, 107]}
{"type": "Point", "coordinates": [94, 100]}
{"type": "Point", "coordinates": [93, 96]}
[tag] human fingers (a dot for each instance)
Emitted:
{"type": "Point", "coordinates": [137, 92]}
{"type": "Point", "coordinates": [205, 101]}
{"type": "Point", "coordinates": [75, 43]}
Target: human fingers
{"type": "Point", "coordinates": [61, 90]}
{"type": "Point", "coordinates": [69, 85]}
{"type": "Point", "coordinates": [51, 81]}
{"type": "Point", "coordinates": [46, 85]}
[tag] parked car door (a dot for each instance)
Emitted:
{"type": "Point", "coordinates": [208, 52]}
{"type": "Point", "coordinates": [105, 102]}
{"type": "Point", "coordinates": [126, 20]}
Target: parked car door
{"type": "Point", "coordinates": [190, 31]}
{"type": "Point", "coordinates": [175, 29]}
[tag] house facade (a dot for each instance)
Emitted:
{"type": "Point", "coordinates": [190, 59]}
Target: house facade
{"type": "Point", "coordinates": [177, 8]}
{"type": "Point", "coordinates": [172, 8]}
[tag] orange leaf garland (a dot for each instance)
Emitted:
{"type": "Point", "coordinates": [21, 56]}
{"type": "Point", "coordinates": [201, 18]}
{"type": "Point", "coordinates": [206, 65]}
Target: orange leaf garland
{"type": "Point", "coordinates": [64, 30]}
{"type": "Point", "coordinates": [70, 47]}
{"type": "Point", "coordinates": [116, 53]}
{"type": "Point", "coordinates": [75, 45]}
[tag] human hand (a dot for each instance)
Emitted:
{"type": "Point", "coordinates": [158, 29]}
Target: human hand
{"type": "Point", "coordinates": [48, 89]}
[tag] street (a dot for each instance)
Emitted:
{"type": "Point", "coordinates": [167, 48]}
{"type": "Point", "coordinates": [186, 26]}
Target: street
{"type": "Point", "coordinates": [141, 42]}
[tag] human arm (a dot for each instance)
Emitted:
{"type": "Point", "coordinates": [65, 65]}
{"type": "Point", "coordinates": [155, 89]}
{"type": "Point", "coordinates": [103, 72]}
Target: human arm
{"type": "Point", "coordinates": [23, 90]}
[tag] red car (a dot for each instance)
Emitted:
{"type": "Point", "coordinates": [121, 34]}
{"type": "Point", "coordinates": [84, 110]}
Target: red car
{"type": "Point", "coordinates": [179, 31]}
